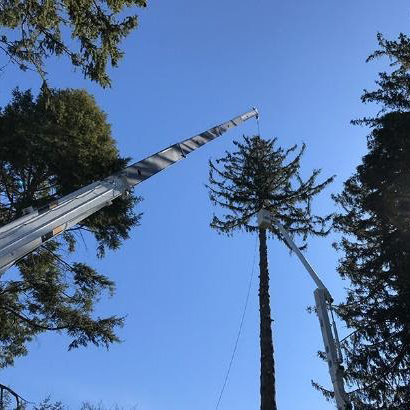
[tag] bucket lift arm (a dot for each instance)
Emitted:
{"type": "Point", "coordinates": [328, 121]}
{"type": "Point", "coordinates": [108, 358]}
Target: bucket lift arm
{"type": "Point", "coordinates": [323, 301]}
{"type": "Point", "coordinates": [25, 234]}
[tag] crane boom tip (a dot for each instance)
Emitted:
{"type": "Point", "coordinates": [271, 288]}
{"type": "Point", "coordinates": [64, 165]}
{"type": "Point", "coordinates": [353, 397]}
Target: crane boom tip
{"type": "Point", "coordinates": [256, 111]}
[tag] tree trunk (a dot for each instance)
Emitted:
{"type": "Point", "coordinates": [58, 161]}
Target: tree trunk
{"type": "Point", "coordinates": [267, 387]}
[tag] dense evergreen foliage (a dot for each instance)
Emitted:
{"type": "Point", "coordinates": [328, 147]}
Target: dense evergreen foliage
{"type": "Point", "coordinates": [259, 175]}
{"type": "Point", "coordinates": [10, 400]}
{"type": "Point", "coordinates": [47, 151]}
{"type": "Point", "coordinates": [34, 30]}
{"type": "Point", "coordinates": [375, 224]}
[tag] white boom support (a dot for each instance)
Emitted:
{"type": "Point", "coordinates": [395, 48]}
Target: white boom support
{"type": "Point", "coordinates": [323, 299]}
{"type": "Point", "coordinates": [23, 235]}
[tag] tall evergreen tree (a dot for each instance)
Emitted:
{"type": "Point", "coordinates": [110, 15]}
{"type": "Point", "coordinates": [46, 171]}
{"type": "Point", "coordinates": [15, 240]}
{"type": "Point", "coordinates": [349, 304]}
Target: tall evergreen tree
{"type": "Point", "coordinates": [47, 151]}
{"type": "Point", "coordinates": [375, 224]}
{"type": "Point", "coordinates": [259, 175]}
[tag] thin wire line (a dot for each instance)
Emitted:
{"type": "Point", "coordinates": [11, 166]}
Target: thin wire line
{"type": "Point", "coordinates": [240, 328]}
{"type": "Point", "coordinates": [259, 127]}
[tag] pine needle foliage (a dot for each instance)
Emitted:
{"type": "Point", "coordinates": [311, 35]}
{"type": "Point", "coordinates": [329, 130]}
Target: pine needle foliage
{"type": "Point", "coordinates": [374, 221]}
{"type": "Point", "coordinates": [88, 32]}
{"type": "Point", "coordinates": [259, 175]}
{"type": "Point", "coordinates": [47, 151]}
{"type": "Point", "coordinates": [393, 86]}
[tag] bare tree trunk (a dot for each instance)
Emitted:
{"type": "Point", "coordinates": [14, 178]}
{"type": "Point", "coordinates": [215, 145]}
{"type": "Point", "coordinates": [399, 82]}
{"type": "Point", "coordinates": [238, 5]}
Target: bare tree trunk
{"type": "Point", "coordinates": [267, 387]}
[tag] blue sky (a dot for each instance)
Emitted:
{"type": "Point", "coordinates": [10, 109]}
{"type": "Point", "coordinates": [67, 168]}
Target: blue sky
{"type": "Point", "coordinates": [189, 66]}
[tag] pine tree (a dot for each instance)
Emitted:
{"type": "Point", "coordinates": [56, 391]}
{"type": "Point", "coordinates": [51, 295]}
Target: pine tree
{"type": "Point", "coordinates": [259, 175]}
{"type": "Point", "coordinates": [375, 224]}
{"type": "Point", "coordinates": [48, 151]}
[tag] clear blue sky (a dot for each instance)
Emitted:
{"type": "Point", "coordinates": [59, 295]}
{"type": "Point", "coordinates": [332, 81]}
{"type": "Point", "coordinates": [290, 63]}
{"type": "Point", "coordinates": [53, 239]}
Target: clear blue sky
{"type": "Point", "coordinates": [189, 66]}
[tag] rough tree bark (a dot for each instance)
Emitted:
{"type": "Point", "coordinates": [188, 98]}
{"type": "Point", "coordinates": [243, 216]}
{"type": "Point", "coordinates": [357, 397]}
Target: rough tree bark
{"type": "Point", "coordinates": [257, 176]}
{"type": "Point", "coordinates": [267, 385]}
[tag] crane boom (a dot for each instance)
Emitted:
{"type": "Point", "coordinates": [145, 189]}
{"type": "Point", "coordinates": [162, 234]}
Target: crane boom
{"type": "Point", "coordinates": [265, 218]}
{"type": "Point", "coordinates": [25, 234]}
{"type": "Point", "coordinates": [323, 300]}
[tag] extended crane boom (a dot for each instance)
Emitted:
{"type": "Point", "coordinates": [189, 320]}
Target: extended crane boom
{"type": "Point", "coordinates": [323, 301]}
{"type": "Point", "coordinates": [25, 234]}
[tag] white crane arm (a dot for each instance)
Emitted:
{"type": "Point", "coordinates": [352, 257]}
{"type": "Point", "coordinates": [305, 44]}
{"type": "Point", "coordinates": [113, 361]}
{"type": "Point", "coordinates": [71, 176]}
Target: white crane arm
{"type": "Point", "coordinates": [23, 235]}
{"type": "Point", "coordinates": [323, 301]}
{"type": "Point", "coordinates": [265, 220]}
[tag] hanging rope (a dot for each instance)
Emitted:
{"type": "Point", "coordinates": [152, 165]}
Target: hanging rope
{"type": "Point", "coordinates": [258, 124]}
{"type": "Point", "coordinates": [240, 328]}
